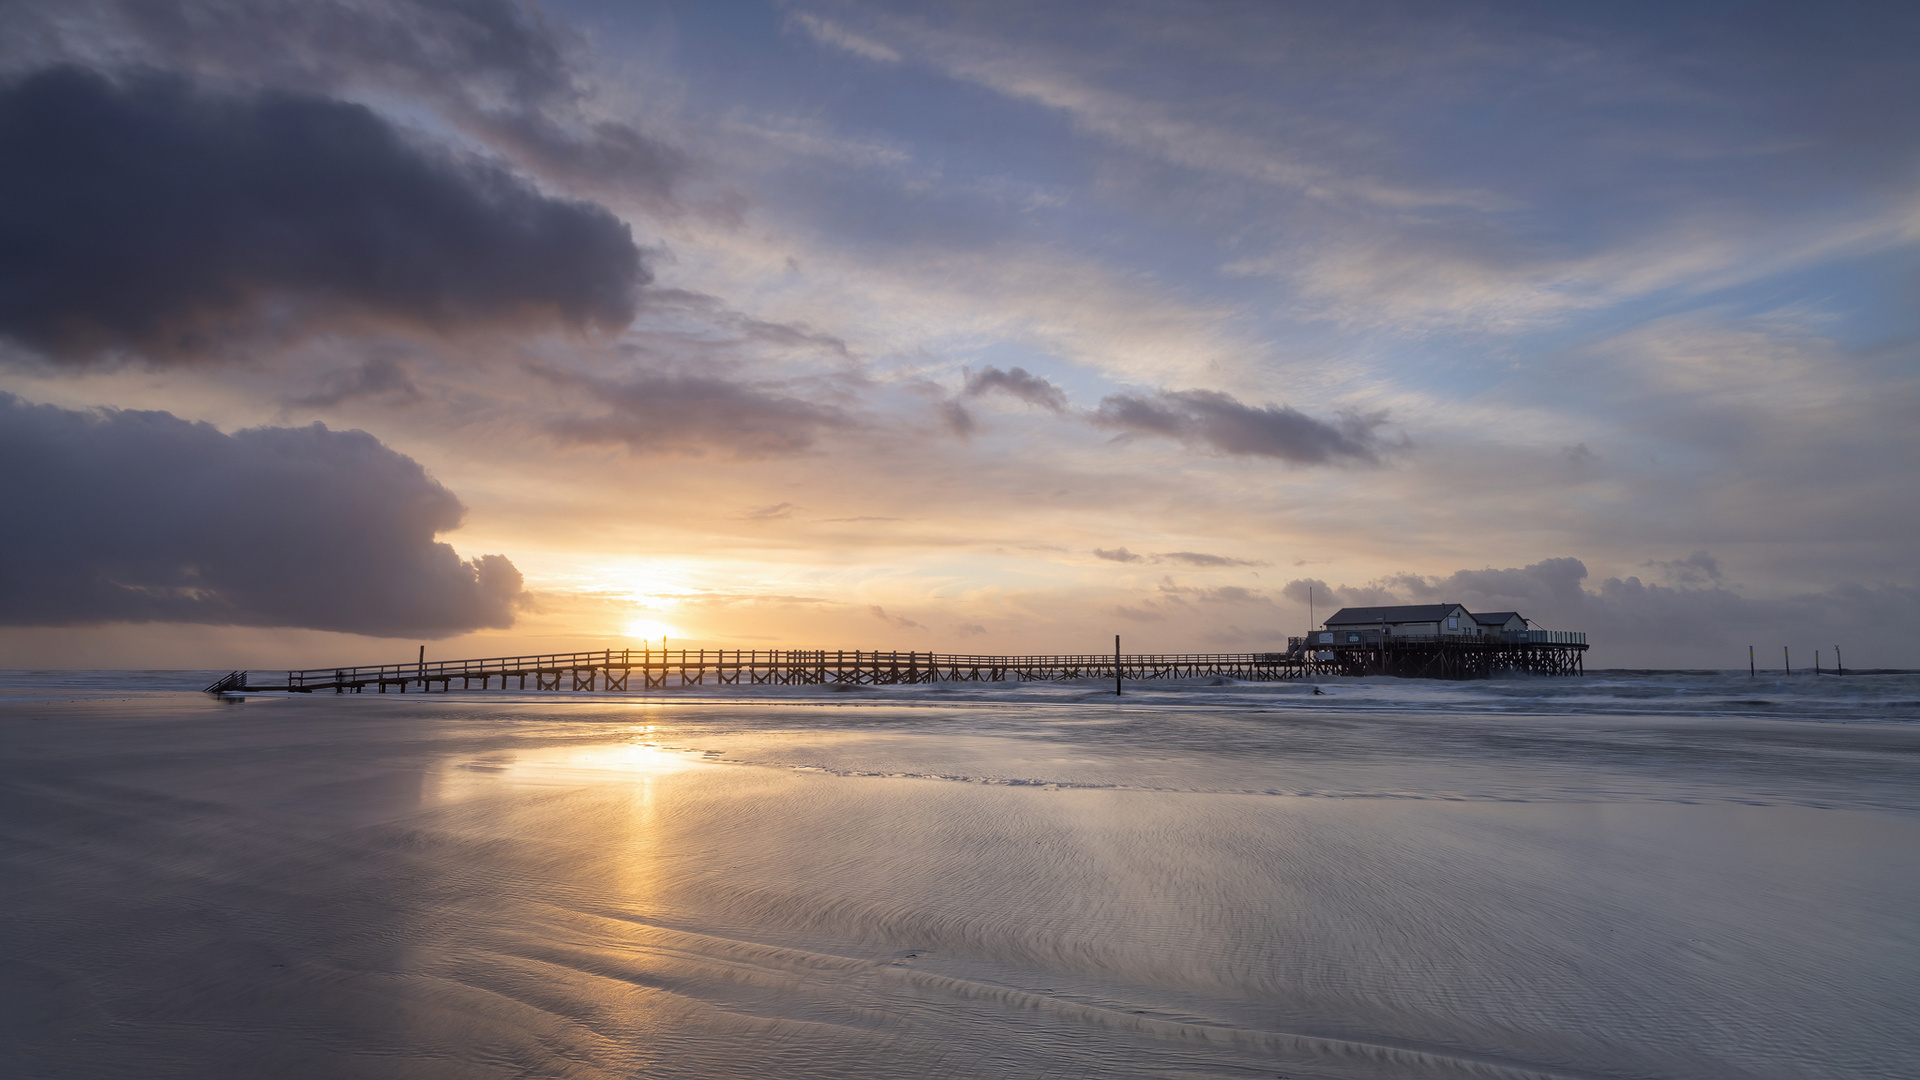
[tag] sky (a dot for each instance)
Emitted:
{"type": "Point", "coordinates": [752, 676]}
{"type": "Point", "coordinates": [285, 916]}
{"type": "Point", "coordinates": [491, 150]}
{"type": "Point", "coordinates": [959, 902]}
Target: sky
{"type": "Point", "coordinates": [330, 329]}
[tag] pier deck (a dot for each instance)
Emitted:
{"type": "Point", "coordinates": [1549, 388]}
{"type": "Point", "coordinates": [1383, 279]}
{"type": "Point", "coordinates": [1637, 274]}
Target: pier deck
{"type": "Point", "coordinates": [652, 669]}
{"type": "Point", "coordinates": [618, 670]}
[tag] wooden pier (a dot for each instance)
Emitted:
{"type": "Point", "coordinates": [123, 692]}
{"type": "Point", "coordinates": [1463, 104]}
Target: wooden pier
{"type": "Point", "coordinates": [655, 669]}
{"type": "Point", "coordinates": [1549, 653]}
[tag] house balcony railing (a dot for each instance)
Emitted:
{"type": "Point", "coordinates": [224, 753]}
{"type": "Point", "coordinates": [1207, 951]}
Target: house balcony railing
{"type": "Point", "coordinates": [1517, 637]}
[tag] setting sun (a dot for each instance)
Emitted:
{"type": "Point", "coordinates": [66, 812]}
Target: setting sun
{"type": "Point", "coordinates": [650, 629]}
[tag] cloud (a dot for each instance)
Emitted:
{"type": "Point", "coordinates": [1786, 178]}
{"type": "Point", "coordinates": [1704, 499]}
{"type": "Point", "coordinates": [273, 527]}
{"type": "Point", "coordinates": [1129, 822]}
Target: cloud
{"type": "Point", "coordinates": [1185, 131]}
{"type": "Point", "coordinates": [1307, 590]}
{"type": "Point", "coordinates": [380, 376]}
{"type": "Point", "coordinates": [717, 599]}
{"type": "Point", "coordinates": [776, 512]}
{"type": "Point", "coordinates": [896, 621]}
{"type": "Point", "coordinates": [144, 517]}
{"type": "Point", "coordinates": [692, 414]}
{"type": "Point", "coordinates": [955, 417]}
{"type": "Point", "coordinates": [1224, 594]}
{"type": "Point", "coordinates": [833, 34]}
{"type": "Point", "coordinates": [156, 218]}
{"type": "Point", "coordinates": [1188, 558]}
{"type": "Point", "coordinates": [967, 630]}
{"type": "Point", "coordinates": [1233, 594]}
{"type": "Point", "coordinates": [495, 69]}
{"type": "Point", "coordinates": [1199, 558]}
{"type": "Point", "coordinates": [1031, 389]}
{"type": "Point", "coordinates": [1218, 422]}
{"type": "Point", "coordinates": [1696, 569]}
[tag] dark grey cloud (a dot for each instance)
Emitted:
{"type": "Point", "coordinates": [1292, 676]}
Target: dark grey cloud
{"type": "Point", "coordinates": [497, 69]}
{"type": "Point", "coordinates": [1119, 554]}
{"type": "Point", "coordinates": [169, 221]}
{"type": "Point", "coordinates": [1218, 422]}
{"type": "Point", "coordinates": [1018, 383]}
{"type": "Point", "coordinates": [692, 414]}
{"type": "Point", "coordinates": [121, 516]}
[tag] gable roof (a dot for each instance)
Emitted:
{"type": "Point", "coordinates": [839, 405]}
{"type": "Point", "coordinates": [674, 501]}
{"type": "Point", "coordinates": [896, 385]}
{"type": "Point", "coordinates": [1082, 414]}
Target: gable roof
{"type": "Point", "coordinates": [1497, 618]}
{"type": "Point", "coordinates": [1405, 613]}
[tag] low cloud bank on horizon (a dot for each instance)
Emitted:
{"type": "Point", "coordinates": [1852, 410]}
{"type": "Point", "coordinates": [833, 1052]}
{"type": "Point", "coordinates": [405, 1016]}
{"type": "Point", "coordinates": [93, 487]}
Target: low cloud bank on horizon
{"type": "Point", "coordinates": [304, 527]}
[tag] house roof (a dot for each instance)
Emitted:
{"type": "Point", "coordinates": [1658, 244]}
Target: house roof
{"type": "Point", "coordinates": [1497, 618]}
{"type": "Point", "coordinates": [1405, 613]}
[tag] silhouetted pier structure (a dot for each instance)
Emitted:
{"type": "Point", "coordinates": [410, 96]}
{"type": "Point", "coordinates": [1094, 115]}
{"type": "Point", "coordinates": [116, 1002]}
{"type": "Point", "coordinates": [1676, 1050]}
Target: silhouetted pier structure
{"type": "Point", "coordinates": [653, 669]}
{"type": "Point", "coordinates": [1411, 656]}
{"type": "Point", "coordinates": [1533, 652]}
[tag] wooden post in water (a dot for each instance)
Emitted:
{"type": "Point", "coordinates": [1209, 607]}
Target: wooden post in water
{"type": "Point", "coordinates": [1816, 661]}
{"type": "Point", "coordinates": [1752, 671]}
{"type": "Point", "coordinates": [1116, 665]}
{"type": "Point", "coordinates": [1839, 668]}
{"type": "Point", "coordinates": [1787, 659]}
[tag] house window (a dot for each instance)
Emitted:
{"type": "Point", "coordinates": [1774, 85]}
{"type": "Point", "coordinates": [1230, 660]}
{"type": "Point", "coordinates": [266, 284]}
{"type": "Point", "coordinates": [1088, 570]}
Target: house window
{"type": "Point", "coordinates": [1453, 622]}
{"type": "Point", "coordinates": [1326, 639]}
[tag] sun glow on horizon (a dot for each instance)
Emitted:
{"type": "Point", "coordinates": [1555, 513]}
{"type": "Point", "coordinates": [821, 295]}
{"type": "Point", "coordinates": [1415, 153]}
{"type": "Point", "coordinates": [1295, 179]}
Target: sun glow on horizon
{"type": "Point", "coordinates": [650, 629]}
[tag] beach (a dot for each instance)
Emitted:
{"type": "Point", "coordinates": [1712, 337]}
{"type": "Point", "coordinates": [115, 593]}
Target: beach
{"type": "Point", "coordinates": [1633, 875]}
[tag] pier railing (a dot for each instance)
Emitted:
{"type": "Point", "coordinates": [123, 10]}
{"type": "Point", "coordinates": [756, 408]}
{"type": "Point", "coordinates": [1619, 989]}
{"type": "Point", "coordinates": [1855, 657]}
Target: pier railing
{"type": "Point", "coordinates": [1515, 637]}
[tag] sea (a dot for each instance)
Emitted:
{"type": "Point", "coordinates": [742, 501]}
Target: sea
{"type": "Point", "coordinates": [1640, 874]}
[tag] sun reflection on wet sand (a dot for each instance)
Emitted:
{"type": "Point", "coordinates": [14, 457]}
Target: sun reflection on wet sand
{"type": "Point", "coordinates": [460, 777]}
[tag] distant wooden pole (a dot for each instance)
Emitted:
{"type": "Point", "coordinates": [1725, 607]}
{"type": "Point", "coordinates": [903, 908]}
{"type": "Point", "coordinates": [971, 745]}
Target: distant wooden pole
{"type": "Point", "coordinates": [1752, 671]}
{"type": "Point", "coordinates": [1116, 665]}
{"type": "Point", "coordinates": [1816, 661]}
{"type": "Point", "coordinates": [1787, 659]}
{"type": "Point", "coordinates": [1839, 666]}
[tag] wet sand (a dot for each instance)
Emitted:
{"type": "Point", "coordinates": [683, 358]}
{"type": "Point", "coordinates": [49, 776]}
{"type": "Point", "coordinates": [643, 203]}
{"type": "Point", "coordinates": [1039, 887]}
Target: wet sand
{"type": "Point", "coordinates": [471, 887]}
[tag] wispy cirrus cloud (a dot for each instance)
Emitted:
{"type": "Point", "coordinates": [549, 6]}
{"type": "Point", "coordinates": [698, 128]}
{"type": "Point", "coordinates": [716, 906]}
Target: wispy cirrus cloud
{"type": "Point", "coordinates": [830, 33]}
